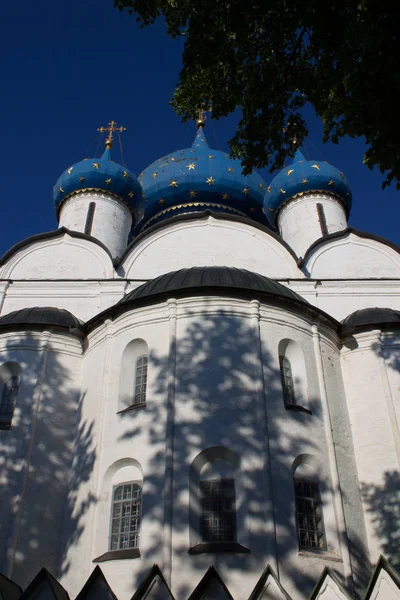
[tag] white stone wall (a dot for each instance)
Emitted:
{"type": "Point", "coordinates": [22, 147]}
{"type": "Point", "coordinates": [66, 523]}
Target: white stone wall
{"type": "Point", "coordinates": [375, 430]}
{"type": "Point", "coordinates": [112, 219]}
{"type": "Point", "coordinates": [298, 221]}
{"type": "Point", "coordinates": [36, 453]}
{"type": "Point", "coordinates": [223, 392]}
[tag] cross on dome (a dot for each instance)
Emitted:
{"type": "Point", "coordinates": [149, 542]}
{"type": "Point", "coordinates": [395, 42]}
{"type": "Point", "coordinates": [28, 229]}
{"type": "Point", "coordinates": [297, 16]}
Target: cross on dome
{"type": "Point", "coordinates": [112, 126]}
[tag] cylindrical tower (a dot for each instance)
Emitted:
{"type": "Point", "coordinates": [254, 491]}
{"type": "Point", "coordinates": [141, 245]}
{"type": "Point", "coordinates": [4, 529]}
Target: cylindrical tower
{"type": "Point", "coordinates": [98, 197]}
{"type": "Point", "coordinates": [307, 200]}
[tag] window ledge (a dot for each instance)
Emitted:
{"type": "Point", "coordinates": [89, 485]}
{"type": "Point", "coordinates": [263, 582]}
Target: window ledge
{"type": "Point", "coordinates": [118, 555]}
{"type": "Point", "coordinates": [297, 407]}
{"type": "Point", "coordinates": [320, 554]}
{"type": "Point", "coordinates": [133, 407]}
{"type": "Point", "coordinates": [217, 547]}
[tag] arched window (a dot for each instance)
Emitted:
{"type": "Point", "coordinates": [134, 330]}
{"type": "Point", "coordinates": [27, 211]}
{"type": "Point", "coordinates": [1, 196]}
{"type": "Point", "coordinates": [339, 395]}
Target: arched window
{"type": "Point", "coordinates": [308, 501]}
{"type": "Point", "coordinates": [8, 401]}
{"type": "Point", "coordinates": [141, 380]}
{"type": "Point", "coordinates": [310, 526]}
{"type": "Point", "coordinates": [217, 505]}
{"type": "Point", "coordinates": [293, 375]}
{"type": "Point", "coordinates": [125, 516]}
{"type": "Point", "coordinates": [9, 385]}
{"type": "Point", "coordinates": [218, 510]}
{"type": "Point", "coordinates": [287, 380]}
{"type": "Point", "coordinates": [133, 376]}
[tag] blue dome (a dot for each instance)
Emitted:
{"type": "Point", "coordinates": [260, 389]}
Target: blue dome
{"type": "Point", "coordinates": [98, 175]}
{"type": "Point", "coordinates": [305, 176]}
{"type": "Point", "coordinates": [197, 178]}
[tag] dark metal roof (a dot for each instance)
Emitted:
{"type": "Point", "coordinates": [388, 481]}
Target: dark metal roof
{"type": "Point", "coordinates": [368, 318]}
{"type": "Point", "coordinates": [219, 278]}
{"type": "Point", "coordinates": [41, 315]}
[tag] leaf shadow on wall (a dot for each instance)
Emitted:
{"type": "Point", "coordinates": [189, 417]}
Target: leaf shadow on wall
{"type": "Point", "coordinates": [220, 399]}
{"type": "Point", "coordinates": [40, 510]}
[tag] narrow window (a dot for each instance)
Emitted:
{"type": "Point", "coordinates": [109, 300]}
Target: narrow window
{"type": "Point", "coordinates": [141, 380]}
{"type": "Point", "coordinates": [125, 516]}
{"type": "Point", "coordinates": [287, 380]}
{"type": "Point", "coordinates": [218, 510]}
{"type": "Point", "coordinates": [322, 219]}
{"type": "Point", "coordinates": [89, 218]}
{"type": "Point", "coordinates": [8, 401]}
{"type": "Point", "coordinates": [310, 525]}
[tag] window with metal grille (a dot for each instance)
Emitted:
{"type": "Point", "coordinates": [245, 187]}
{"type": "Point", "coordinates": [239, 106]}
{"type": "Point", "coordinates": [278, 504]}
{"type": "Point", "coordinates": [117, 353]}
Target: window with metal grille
{"type": "Point", "coordinates": [90, 217]}
{"type": "Point", "coordinates": [310, 525]}
{"type": "Point", "coordinates": [322, 219]}
{"type": "Point", "coordinates": [287, 380]}
{"type": "Point", "coordinates": [125, 516]}
{"type": "Point", "coordinates": [8, 401]}
{"type": "Point", "coordinates": [141, 380]}
{"type": "Point", "coordinates": [218, 510]}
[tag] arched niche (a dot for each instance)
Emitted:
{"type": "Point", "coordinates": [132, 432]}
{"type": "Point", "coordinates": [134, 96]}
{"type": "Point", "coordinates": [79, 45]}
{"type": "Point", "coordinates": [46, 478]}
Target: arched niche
{"type": "Point", "coordinates": [293, 367]}
{"type": "Point", "coordinates": [133, 375]}
{"type": "Point", "coordinates": [218, 466]}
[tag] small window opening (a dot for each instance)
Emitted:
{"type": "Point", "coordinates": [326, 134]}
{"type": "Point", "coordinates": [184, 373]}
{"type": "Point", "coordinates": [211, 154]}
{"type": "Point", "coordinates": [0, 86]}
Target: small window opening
{"type": "Point", "coordinates": [125, 516]}
{"type": "Point", "coordinates": [90, 217]}
{"type": "Point", "coordinates": [322, 219]}
{"type": "Point", "coordinates": [218, 510]}
{"type": "Point", "coordinates": [8, 401]}
{"type": "Point", "coordinates": [309, 515]}
{"type": "Point", "coordinates": [141, 380]}
{"type": "Point", "coordinates": [287, 381]}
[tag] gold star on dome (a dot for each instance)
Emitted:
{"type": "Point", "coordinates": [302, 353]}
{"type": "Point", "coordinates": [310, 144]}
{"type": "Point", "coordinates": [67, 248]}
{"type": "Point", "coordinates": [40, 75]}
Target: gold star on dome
{"type": "Point", "coordinates": [252, 209]}
{"type": "Point", "coordinates": [289, 172]}
{"type": "Point", "coordinates": [172, 159]}
{"type": "Point", "coordinates": [192, 194]}
{"type": "Point", "coordinates": [61, 190]}
{"type": "Point", "coordinates": [282, 192]}
{"type": "Point", "coordinates": [161, 201]}
{"type": "Point", "coordinates": [154, 175]}
{"type": "Point", "coordinates": [191, 166]}
{"type": "Point", "coordinates": [230, 170]}
{"type": "Point", "coordinates": [131, 194]}
{"type": "Point", "coordinates": [261, 185]}
{"type": "Point", "coordinates": [210, 156]}
{"type": "Point", "coordinates": [197, 145]}
{"type": "Point", "coordinates": [225, 196]}
{"type": "Point", "coordinates": [191, 150]}
{"type": "Point", "coordinates": [126, 174]}
{"type": "Point", "coordinates": [69, 171]}
{"type": "Point", "coordinates": [246, 191]}
{"type": "Point", "coordinates": [331, 182]}
{"type": "Point", "coordinates": [315, 167]}
{"type": "Point", "coordinates": [341, 175]}
{"type": "Point", "coordinates": [96, 165]}
{"type": "Point", "coordinates": [210, 180]}
{"type": "Point", "coordinates": [108, 181]}
{"type": "Point", "coordinates": [269, 189]}
{"type": "Point", "coordinates": [82, 179]}
{"type": "Point", "coordinates": [304, 181]}
{"type": "Point", "coordinates": [173, 183]}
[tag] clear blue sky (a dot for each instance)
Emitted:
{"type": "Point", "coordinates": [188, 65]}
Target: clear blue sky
{"type": "Point", "coordinates": [68, 67]}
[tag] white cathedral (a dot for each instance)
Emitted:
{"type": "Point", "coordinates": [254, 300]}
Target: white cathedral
{"type": "Point", "coordinates": [201, 372]}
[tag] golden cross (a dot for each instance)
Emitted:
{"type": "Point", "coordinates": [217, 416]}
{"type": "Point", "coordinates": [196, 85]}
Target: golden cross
{"type": "Point", "coordinates": [112, 127]}
{"type": "Point", "coordinates": [201, 120]}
